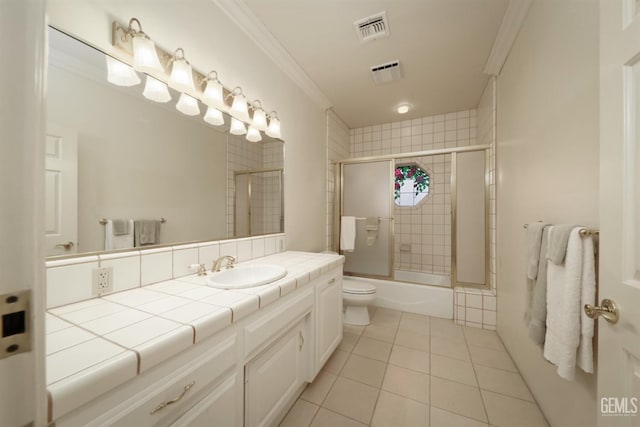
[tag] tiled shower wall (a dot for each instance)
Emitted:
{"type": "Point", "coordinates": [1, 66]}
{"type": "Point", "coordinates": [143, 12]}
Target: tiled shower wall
{"type": "Point", "coordinates": [423, 233]}
{"type": "Point", "coordinates": [337, 149]}
{"type": "Point", "coordinates": [244, 155]}
{"type": "Point", "coordinates": [475, 307]}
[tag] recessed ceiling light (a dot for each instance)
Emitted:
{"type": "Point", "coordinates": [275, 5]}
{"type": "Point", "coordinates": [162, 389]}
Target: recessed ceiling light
{"type": "Point", "coordinates": [403, 108]}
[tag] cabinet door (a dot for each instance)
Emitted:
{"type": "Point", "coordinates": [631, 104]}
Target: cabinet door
{"type": "Point", "coordinates": [273, 378]}
{"type": "Point", "coordinates": [218, 408]}
{"type": "Point", "coordinates": [328, 319]}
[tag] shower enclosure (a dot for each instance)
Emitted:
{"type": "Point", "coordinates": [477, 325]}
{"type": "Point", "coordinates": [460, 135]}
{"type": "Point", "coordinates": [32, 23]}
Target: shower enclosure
{"type": "Point", "coordinates": [432, 212]}
{"type": "Point", "coordinates": [258, 202]}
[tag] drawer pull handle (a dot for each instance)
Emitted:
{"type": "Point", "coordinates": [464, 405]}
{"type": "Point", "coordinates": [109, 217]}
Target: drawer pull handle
{"type": "Point", "coordinates": [174, 400]}
{"type": "Point", "coordinates": [332, 280]}
{"type": "Point", "coordinates": [301, 340]}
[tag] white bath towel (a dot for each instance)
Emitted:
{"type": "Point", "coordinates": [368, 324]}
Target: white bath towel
{"type": "Point", "coordinates": [119, 241]}
{"type": "Point", "coordinates": [534, 240]}
{"type": "Point", "coordinates": [587, 325]}
{"type": "Point", "coordinates": [564, 295]}
{"type": "Point", "coordinates": [348, 233]}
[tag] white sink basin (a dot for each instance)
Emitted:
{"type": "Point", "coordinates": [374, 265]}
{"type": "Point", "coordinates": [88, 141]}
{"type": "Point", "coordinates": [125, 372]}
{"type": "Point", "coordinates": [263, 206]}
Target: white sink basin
{"type": "Point", "coordinates": [246, 276]}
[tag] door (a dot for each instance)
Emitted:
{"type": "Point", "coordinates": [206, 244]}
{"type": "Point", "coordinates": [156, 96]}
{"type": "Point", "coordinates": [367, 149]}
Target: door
{"type": "Point", "coordinates": [367, 193]}
{"type": "Point", "coordinates": [274, 378]}
{"type": "Point", "coordinates": [61, 191]}
{"type": "Point", "coordinates": [22, 26]}
{"type": "Point", "coordinates": [619, 343]}
{"type": "Point", "coordinates": [328, 319]}
{"type": "Point", "coordinates": [242, 206]}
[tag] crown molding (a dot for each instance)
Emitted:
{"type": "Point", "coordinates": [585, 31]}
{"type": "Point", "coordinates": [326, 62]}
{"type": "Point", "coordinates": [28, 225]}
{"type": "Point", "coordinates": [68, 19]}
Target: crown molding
{"type": "Point", "coordinates": [249, 23]}
{"type": "Point", "coordinates": [511, 23]}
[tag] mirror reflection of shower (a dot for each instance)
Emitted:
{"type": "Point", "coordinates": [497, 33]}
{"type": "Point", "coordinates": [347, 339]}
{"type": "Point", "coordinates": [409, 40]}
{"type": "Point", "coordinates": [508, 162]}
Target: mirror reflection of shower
{"type": "Point", "coordinates": [432, 208]}
{"type": "Point", "coordinates": [258, 205]}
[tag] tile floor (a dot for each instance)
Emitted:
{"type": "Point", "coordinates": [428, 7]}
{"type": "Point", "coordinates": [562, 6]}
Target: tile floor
{"type": "Point", "coordinates": [411, 370]}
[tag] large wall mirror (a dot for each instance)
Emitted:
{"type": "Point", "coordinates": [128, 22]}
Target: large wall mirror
{"type": "Point", "coordinates": [115, 158]}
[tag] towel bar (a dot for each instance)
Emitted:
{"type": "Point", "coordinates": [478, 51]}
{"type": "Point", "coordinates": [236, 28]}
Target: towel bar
{"type": "Point", "coordinates": [103, 221]}
{"type": "Point", "coordinates": [583, 232]}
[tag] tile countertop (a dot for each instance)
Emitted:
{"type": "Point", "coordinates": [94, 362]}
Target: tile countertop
{"type": "Point", "coordinates": [95, 345]}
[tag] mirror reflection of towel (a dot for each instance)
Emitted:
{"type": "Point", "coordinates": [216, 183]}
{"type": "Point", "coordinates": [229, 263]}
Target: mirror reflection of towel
{"type": "Point", "coordinates": [147, 232]}
{"type": "Point", "coordinates": [114, 239]}
{"type": "Point", "coordinates": [371, 227]}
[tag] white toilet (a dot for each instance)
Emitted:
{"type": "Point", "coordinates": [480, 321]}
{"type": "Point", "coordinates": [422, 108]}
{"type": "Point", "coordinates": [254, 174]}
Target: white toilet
{"type": "Point", "coordinates": [357, 295]}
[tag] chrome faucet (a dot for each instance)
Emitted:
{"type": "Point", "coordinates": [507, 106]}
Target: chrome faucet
{"type": "Point", "coordinates": [217, 264]}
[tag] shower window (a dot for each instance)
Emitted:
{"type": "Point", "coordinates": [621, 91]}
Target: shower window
{"type": "Point", "coordinates": [411, 185]}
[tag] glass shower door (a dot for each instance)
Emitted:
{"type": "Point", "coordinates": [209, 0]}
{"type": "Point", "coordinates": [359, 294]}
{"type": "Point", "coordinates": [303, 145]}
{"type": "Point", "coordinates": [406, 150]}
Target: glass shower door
{"type": "Point", "coordinates": [367, 193]}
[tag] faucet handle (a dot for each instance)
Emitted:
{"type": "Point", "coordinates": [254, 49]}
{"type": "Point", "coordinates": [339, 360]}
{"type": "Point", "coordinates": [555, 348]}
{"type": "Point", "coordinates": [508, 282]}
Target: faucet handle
{"type": "Point", "coordinates": [202, 269]}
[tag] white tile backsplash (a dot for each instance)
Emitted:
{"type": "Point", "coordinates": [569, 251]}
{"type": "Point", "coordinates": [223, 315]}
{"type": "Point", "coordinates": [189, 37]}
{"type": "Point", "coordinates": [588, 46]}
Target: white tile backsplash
{"type": "Point", "coordinates": [229, 247]}
{"type": "Point", "coordinates": [244, 250]}
{"type": "Point", "coordinates": [183, 257]}
{"type": "Point", "coordinates": [70, 283]}
{"type": "Point", "coordinates": [156, 266]}
{"type": "Point", "coordinates": [208, 253]}
{"type": "Point", "coordinates": [126, 270]}
{"type": "Point", "coordinates": [257, 248]}
{"type": "Point", "coordinates": [69, 280]}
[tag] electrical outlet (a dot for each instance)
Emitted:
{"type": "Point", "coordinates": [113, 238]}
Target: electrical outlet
{"type": "Point", "coordinates": [102, 280]}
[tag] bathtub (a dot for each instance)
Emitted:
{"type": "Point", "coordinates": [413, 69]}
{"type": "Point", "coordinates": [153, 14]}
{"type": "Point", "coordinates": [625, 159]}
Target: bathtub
{"type": "Point", "coordinates": [421, 299]}
{"type": "Point", "coordinates": [422, 278]}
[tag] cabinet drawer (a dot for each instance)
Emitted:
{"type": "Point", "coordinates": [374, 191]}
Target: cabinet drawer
{"type": "Point", "coordinates": [166, 400]}
{"type": "Point", "coordinates": [278, 318]}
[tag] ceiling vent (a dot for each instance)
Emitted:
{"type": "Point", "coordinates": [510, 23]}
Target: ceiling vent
{"type": "Point", "coordinates": [373, 27]}
{"type": "Point", "coordinates": [385, 73]}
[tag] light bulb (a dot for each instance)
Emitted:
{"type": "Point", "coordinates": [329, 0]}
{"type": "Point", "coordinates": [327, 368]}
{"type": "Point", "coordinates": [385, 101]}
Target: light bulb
{"type": "Point", "coordinates": [188, 105]}
{"type": "Point", "coordinates": [156, 90]}
{"type": "Point", "coordinates": [212, 95]}
{"type": "Point", "coordinates": [259, 120]}
{"type": "Point", "coordinates": [403, 108]}
{"type": "Point", "coordinates": [181, 78]}
{"type": "Point", "coordinates": [274, 128]}
{"type": "Point", "coordinates": [214, 117]}
{"type": "Point", "coordinates": [145, 57]}
{"type": "Point", "coordinates": [237, 127]}
{"type": "Point", "coordinates": [253, 134]}
{"type": "Point", "coordinates": [239, 108]}
{"type": "Point", "coordinates": [120, 74]}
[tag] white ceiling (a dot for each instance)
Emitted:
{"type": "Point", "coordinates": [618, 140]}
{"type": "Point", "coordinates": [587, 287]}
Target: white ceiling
{"type": "Point", "coordinates": [442, 45]}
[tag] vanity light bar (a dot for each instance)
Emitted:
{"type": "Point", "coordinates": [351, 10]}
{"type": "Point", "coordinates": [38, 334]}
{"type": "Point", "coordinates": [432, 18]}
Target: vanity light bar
{"type": "Point", "coordinates": [122, 37]}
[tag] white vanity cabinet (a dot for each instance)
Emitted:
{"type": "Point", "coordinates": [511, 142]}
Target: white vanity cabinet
{"type": "Point", "coordinates": [218, 408]}
{"type": "Point", "coordinates": [248, 374]}
{"type": "Point", "coordinates": [275, 377]}
{"type": "Point", "coordinates": [328, 317]}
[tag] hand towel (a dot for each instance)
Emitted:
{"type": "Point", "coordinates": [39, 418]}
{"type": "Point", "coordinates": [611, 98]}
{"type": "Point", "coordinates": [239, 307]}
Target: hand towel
{"type": "Point", "coordinates": [538, 307]}
{"type": "Point", "coordinates": [371, 227]}
{"type": "Point", "coordinates": [534, 239]}
{"type": "Point", "coordinates": [147, 232]}
{"type": "Point", "coordinates": [558, 239]}
{"type": "Point", "coordinates": [587, 325]}
{"type": "Point", "coordinates": [348, 233]}
{"type": "Point", "coordinates": [564, 295]}
{"type": "Point", "coordinates": [120, 227]}
{"type": "Point", "coordinates": [117, 241]}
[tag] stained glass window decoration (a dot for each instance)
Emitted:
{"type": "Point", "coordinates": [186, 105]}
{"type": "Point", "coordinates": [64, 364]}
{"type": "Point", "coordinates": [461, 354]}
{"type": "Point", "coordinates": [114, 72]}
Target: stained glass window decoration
{"type": "Point", "coordinates": [411, 185]}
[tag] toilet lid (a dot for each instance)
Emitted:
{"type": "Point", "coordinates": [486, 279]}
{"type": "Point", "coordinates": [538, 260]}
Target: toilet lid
{"type": "Point", "coordinates": [353, 287]}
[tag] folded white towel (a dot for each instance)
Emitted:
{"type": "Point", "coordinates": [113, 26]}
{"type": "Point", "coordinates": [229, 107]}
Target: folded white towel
{"type": "Point", "coordinates": [117, 241]}
{"type": "Point", "coordinates": [534, 240]}
{"type": "Point", "coordinates": [587, 325]}
{"type": "Point", "coordinates": [348, 233]}
{"type": "Point", "coordinates": [564, 295]}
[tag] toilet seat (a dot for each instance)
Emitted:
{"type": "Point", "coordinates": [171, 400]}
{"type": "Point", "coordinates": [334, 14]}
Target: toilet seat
{"type": "Point", "coordinates": [358, 288]}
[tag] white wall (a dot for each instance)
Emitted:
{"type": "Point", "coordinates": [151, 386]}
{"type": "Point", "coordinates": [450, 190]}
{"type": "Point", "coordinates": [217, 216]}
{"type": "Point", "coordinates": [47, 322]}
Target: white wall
{"type": "Point", "coordinates": [212, 42]}
{"type": "Point", "coordinates": [138, 160]}
{"type": "Point", "coordinates": [547, 168]}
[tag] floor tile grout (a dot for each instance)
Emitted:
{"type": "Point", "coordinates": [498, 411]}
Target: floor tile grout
{"type": "Point", "coordinates": [430, 326]}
